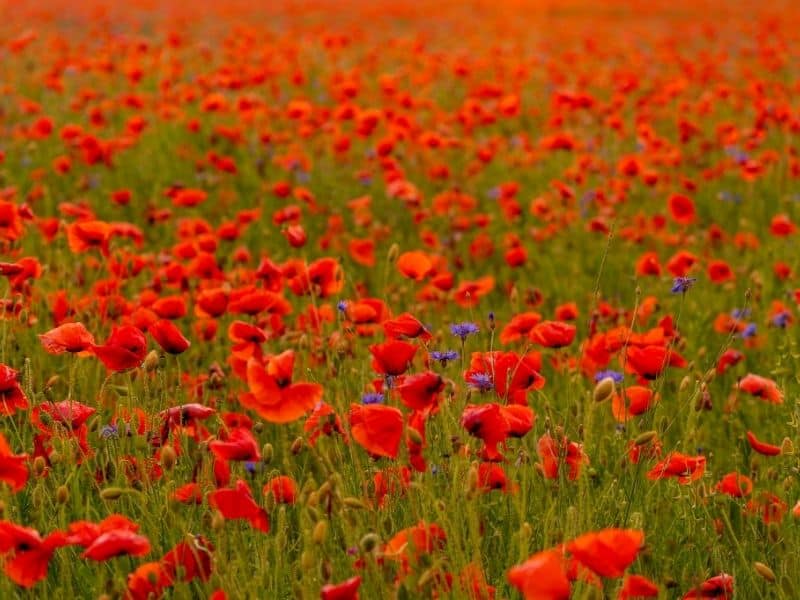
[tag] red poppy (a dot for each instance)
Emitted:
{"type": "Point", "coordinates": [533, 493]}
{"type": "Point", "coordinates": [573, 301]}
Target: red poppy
{"type": "Point", "coordinates": [735, 485]}
{"type": "Point", "coordinates": [117, 542]}
{"type": "Point", "coordinates": [519, 326]}
{"type": "Point", "coordinates": [415, 265]}
{"type": "Point", "coordinates": [542, 577]}
{"type": "Point", "coordinates": [192, 557]}
{"type": "Point", "coordinates": [273, 395]}
{"type": "Point", "coordinates": [377, 428]}
{"type": "Point", "coordinates": [189, 493]}
{"type": "Point", "coordinates": [719, 587]}
{"type": "Point", "coordinates": [719, 271]}
{"type": "Point", "coordinates": [685, 468]}
{"type": "Point", "coordinates": [124, 349]}
{"type": "Point", "coordinates": [346, 590]}
{"type": "Point", "coordinates": [486, 422]}
{"type": "Point", "coordinates": [761, 387]}
{"type": "Point", "coordinates": [637, 586]}
{"type": "Point", "coordinates": [728, 359]}
{"type": "Point", "coordinates": [405, 326]}
{"type": "Point", "coordinates": [237, 444]}
{"type": "Point", "coordinates": [323, 420]}
{"type": "Point", "coordinates": [238, 503]}
{"type": "Point", "coordinates": [282, 488]}
{"type": "Point", "coordinates": [510, 375]}
{"type": "Point", "coordinates": [393, 357]}
{"type": "Point", "coordinates": [13, 467]}
{"type": "Point", "coordinates": [762, 447]}
{"type": "Point", "coordinates": [169, 337]}
{"type": "Point", "coordinates": [420, 392]}
{"type": "Point", "coordinates": [608, 552]}
{"type": "Point", "coordinates": [12, 398]}
{"type": "Point", "coordinates": [681, 208]}
{"type": "Point", "coordinates": [27, 554]}
{"type": "Point", "coordinates": [553, 453]}
{"type": "Point", "coordinates": [650, 361]}
{"type": "Point", "coordinates": [637, 401]}
{"type": "Point", "coordinates": [553, 334]}
{"type": "Point", "coordinates": [69, 337]}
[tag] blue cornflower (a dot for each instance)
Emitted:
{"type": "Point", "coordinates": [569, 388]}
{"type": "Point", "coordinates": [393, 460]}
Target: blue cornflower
{"type": "Point", "coordinates": [681, 285]}
{"type": "Point", "coordinates": [781, 319]}
{"type": "Point", "coordinates": [748, 332]}
{"type": "Point", "coordinates": [341, 305]}
{"type": "Point", "coordinates": [615, 375]}
{"type": "Point", "coordinates": [740, 313]}
{"type": "Point", "coordinates": [462, 330]}
{"type": "Point", "coordinates": [444, 356]}
{"type": "Point", "coordinates": [481, 382]}
{"type": "Point", "coordinates": [372, 398]}
{"type": "Point", "coordinates": [252, 466]}
{"type": "Point", "coordinates": [109, 431]}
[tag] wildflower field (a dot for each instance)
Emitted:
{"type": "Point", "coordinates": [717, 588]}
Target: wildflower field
{"type": "Point", "coordinates": [394, 299]}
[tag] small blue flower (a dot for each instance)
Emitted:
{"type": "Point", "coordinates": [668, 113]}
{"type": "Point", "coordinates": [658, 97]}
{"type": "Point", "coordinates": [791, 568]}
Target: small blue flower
{"type": "Point", "coordinates": [781, 319]}
{"type": "Point", "coordinates": [109, 431]}
{"type": "Point", "coordinates": [481, 382]}
{"type": "Point", "coordinates": [615, 375]}
{"type": "Point", "coordinates": [742, 313]}
{"type": "Point", "coordinates": [462, 330]}
{"type": "Point", "coordinates": [748, 332]}
{"type": "Point", "coordinates": [372, 398]}
{"type": "Point", "coordinates": [681, 285]}
{"type": "Point", "coordinates": [341, 305]}
{"type": "Point", "coordinates": [252, 466]}
{"type": "Point", "coordinates": [444, 356]}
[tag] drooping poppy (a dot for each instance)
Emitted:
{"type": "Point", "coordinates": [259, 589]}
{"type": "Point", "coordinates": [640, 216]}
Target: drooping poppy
{"type": "Point", "coordinates": [377, 428]}
{"type": "Point", "coordinates": [762, 447]}
{"type": "Point", "coordinates": [169, 337]}
{"type": "Point", "coordinates": [69, 337]}
{"type": "Point", "coordinates": [681, 466]}
{"type": "Point", "coordinates": [238, 503]}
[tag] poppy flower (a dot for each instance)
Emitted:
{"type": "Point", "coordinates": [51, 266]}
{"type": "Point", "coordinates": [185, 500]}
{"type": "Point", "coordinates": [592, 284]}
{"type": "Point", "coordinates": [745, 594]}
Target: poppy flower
{"type": "Point", "coordinates": [552, 453]}
{"type": "Point", "coordinates": [637, 400]}
{"type": "Point", "coordinates": [191, 559]}
{"type": "Point", "coordinates": [169, 337]}
{"type": "Point", "coordinates": [237, 444]}
{"type": "Point", "coordinates": [510, 375]}
{"type": "Point", "coordinates": [84, 235]}
{"type": "Point", "coordinates": [728, 359]}
{"type": "Point", "coordinates": [69, 337]}
{"type": "Point", "coordinates": [323, 420]}
{"type": "Point", "coordinates": [719, 271]}
{"type": "Point", "coordinates": [415, 265]}
{"type": "Point", "coordinates": [650, 361]}
{"type": "Point", "coordinates": [761, 387]}
{"type": "Point", "coordinates": [637, 586]}
{"type": "Point", "coordinates": [238, 503]}
{"type": "Point", "coordinates": [377, 428]}
{"type": "Point", "coordinates": [553, 334]}
{"type": "Point", "coordinates": [719, 587]}
{"type": "Point", "coordinates": [124, 349]}
{"type": "Point", "coordinates": [487, 423]}
{"type": "Point", "coordinates": [147, 581]}
{"type": "Point", "coordinates": [117, 542]}
{"type": "Point", "coordinates": [26, 554]}
{"type": "Point", "coordinates": [519, 327]}
{"type": "Point", "coordinates": [762, 447]}
{"type": "Point", "coordinates": [189, 493]}
{"type": "Point", "coordinates": [273, 395]}
{"type": "Point", "coordinates": [13, 467]}
{"type": "Point", "coordinates": [411, 544]}
{"type": "Point", "coordinates": [681, 209]}
{"type": "Point", "coordinates": [420, 392]}
{"type": "Point", "coordinates": [608, 552]}
{"type": "Point", "coordinates": [346, 590]}
{"type": "Point", "coordinates": [405, 326]}
{"type": "Point", "coordinates": [282, 488]}
{"type": "Point", "coordinates": [12, 398]}
{"type": "Point", "coordinates": [393, 357]}
{"type": "Point", "coordinates": [735, 485]}
{"type": "Point", "coordinates": [542, 577]}
{"type": "Point", "coordinates": [685, 468]}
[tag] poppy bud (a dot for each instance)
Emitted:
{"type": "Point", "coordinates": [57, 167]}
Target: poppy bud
{"type": "Point", "coordinates": [353, 502]}
{"type": "Point", "coordinates": [62, 494]}
{"type": "Point", "coordinates": [320, 532]}
{"type": "Point", "coordinates": [168, 457]}
{"type": "Point", "coordinates": [217, 521]}
{"type": "Point", "coordinates": [313, 514]}
{"type": "Point", "coordinates": [297, 446]}
{"type": "Point", "coordinates": [394, 252]}
{"type": "Point", "coordinates": [151, 361]}
{"type": "Point", "coordinates": [39, 465]}
{"type": "Point", "coordinates": [111, 493]}
{"type": "Point", "coordinates": [645, 438]}
{"type": "Point", "coordinates": [306, 560]}
{"type": "Point", "coordinates": [369, 542]}
{"type": "Point", "coordinates": [414, 436]}
{"type": "Point", "coordinates": [604, 389]}
{"type": "Point", "coordinates": [267, 452]}
{"type": "Point", "coordinates": [764, 571]}
{"type": "Point", "coordinates": [326, 570]}
{"type": "Point", "coordinates": [685, 382]}
{"type": "Point", "coordinates": [258, 427]}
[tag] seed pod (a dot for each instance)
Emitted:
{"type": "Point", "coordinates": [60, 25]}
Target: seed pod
{"type": "Point", "coordinates": [320, 532]}
{"type": "Point", "coordinates": [353, 502]}
{"type": "Point", "coordinates": [297, 446]}
{"type": "Point", "coordinates": [764, 571]}
{"type": "Point", "coordinates": [267, 453]}
{"type": "Point", "coordinates": [217, 521]}
{"type": "Point", "coordinates": [604, 390]}
{"type": "Point", "coordinates": [62, 494]}
{"type": "Point", "coordinates": [168, 457]}
{"type": "Point", "coordinates": [645, 438]}
{"type": "Point", "coordinates": [39, 465]}
{"type": "Point", "coordinates": [394, 252]}
{"type": "Point", "coordinates": [151, 361]}
{"type": "Point", "coordinates": [111, 493]}
{"type": "Point", "coordinates": [369, 542]}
